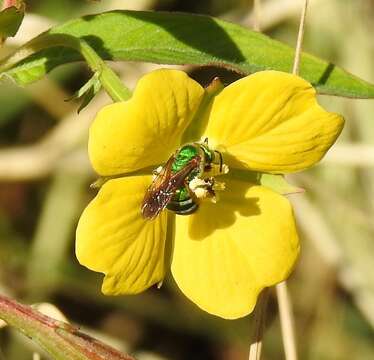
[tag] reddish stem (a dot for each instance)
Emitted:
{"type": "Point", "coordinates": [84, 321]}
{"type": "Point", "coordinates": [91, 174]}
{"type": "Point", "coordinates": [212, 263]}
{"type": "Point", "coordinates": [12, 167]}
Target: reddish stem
{"type": "Point", "coordinates": [90, 348]}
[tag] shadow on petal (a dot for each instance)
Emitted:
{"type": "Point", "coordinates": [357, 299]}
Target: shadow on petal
{"type": "Point", "coordinates": [233, 202]}
{"type": "Point", "coordinates": [224, 254]}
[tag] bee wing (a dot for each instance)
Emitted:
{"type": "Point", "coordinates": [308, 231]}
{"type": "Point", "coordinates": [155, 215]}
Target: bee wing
{"type": "Point", "coordinates": [157, 195]}
{"type": "Point", "coordinates": [164, 186]}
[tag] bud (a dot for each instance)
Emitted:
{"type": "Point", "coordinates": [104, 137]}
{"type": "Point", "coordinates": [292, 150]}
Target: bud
{"type": "Point", "coordinates": [18, 4]}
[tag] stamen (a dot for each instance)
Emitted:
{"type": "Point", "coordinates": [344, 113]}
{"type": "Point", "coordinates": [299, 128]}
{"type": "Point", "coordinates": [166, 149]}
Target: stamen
{"type": "Point", "coordinates": [199, 187]}
{"type": "Point", "coordinates": [219, 186]}
{"type": "Point", "coordinates": [206, 188]}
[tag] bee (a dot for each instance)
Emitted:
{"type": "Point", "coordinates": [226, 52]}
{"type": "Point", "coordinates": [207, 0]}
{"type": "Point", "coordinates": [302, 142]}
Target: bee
{"type": "Point", "coordinates": [170, 187]}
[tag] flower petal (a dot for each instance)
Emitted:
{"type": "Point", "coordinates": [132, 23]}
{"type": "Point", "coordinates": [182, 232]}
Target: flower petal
{"type": "Point", "coordinates": [113, 238]}
{"type": "Point", "coordinates": [270, 121]}
{"type": "Point", "coordinates": [227, 252]}
{"type": "Point", "coordinates": [147, 129]}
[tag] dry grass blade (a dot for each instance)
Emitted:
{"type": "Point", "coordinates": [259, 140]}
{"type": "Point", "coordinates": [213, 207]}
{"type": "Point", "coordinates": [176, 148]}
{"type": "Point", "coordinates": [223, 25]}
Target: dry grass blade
{"type": "Point", "coordinates": [296, 65]}
{"type": "Point", "coordinates": [259, 325]}
{"type": "Point", "coordinates": [284, 302]}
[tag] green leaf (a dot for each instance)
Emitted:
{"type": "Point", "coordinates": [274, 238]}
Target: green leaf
{"type": "Point", "coordinates": [167, 38]}
{"type": "Point", "coordinates": [88, 91]}
{"type": "Point", "coordinates": [10, 21]}
{"type": "Point", "coordinates": [275, 182]}
{"type": "Point", "coordinates": [279, 184]}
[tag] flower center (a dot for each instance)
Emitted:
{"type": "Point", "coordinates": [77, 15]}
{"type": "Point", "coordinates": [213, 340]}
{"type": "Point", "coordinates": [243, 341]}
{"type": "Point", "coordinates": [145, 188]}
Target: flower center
{"type": "Point", "coordinates": [187, 178]}
{"type": "Point", "coordinates": [197, 165]}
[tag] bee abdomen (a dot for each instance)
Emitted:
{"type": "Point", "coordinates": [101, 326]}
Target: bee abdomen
{"type": "Point", "coordinates": [184, 207]}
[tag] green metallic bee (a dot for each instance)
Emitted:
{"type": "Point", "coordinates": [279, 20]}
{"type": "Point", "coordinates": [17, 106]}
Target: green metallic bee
{"type": "Point", "coordinates": [170, 188]}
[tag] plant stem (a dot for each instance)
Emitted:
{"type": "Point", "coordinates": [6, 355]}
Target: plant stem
{"type": "Point", "coordinates": [257, 15]}
{"type": "Point", "coordinates": [61, 340]}
{"type": "Point", "coordinates": [284, 302]}
{"type": "Point", "coordinates": [296, 64]}
{"type": "Point", "coordinates": [259, 325]}
{"type": "Point", "coordinates": [108, 78]}
{"type": "Point", "coordinates": [286, 320]}
{"type": "Point", "coordinates": [260, 311]}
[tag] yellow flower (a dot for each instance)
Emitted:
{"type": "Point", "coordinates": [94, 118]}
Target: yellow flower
{"type": "Point", "coordinates": [225, 253]}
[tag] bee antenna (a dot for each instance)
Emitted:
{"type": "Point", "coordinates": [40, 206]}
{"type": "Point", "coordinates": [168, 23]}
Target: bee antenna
{"type": "Point", "coordinates": [206, 141]}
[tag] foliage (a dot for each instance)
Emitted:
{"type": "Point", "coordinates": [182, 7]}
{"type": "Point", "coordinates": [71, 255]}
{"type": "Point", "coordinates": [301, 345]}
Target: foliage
{"type": "Point", "coordinates": [166, 38]}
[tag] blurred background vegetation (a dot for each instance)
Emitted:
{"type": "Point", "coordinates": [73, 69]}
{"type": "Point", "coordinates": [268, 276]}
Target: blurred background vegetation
{"type": "Point", "coordinates": [44, 186]}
